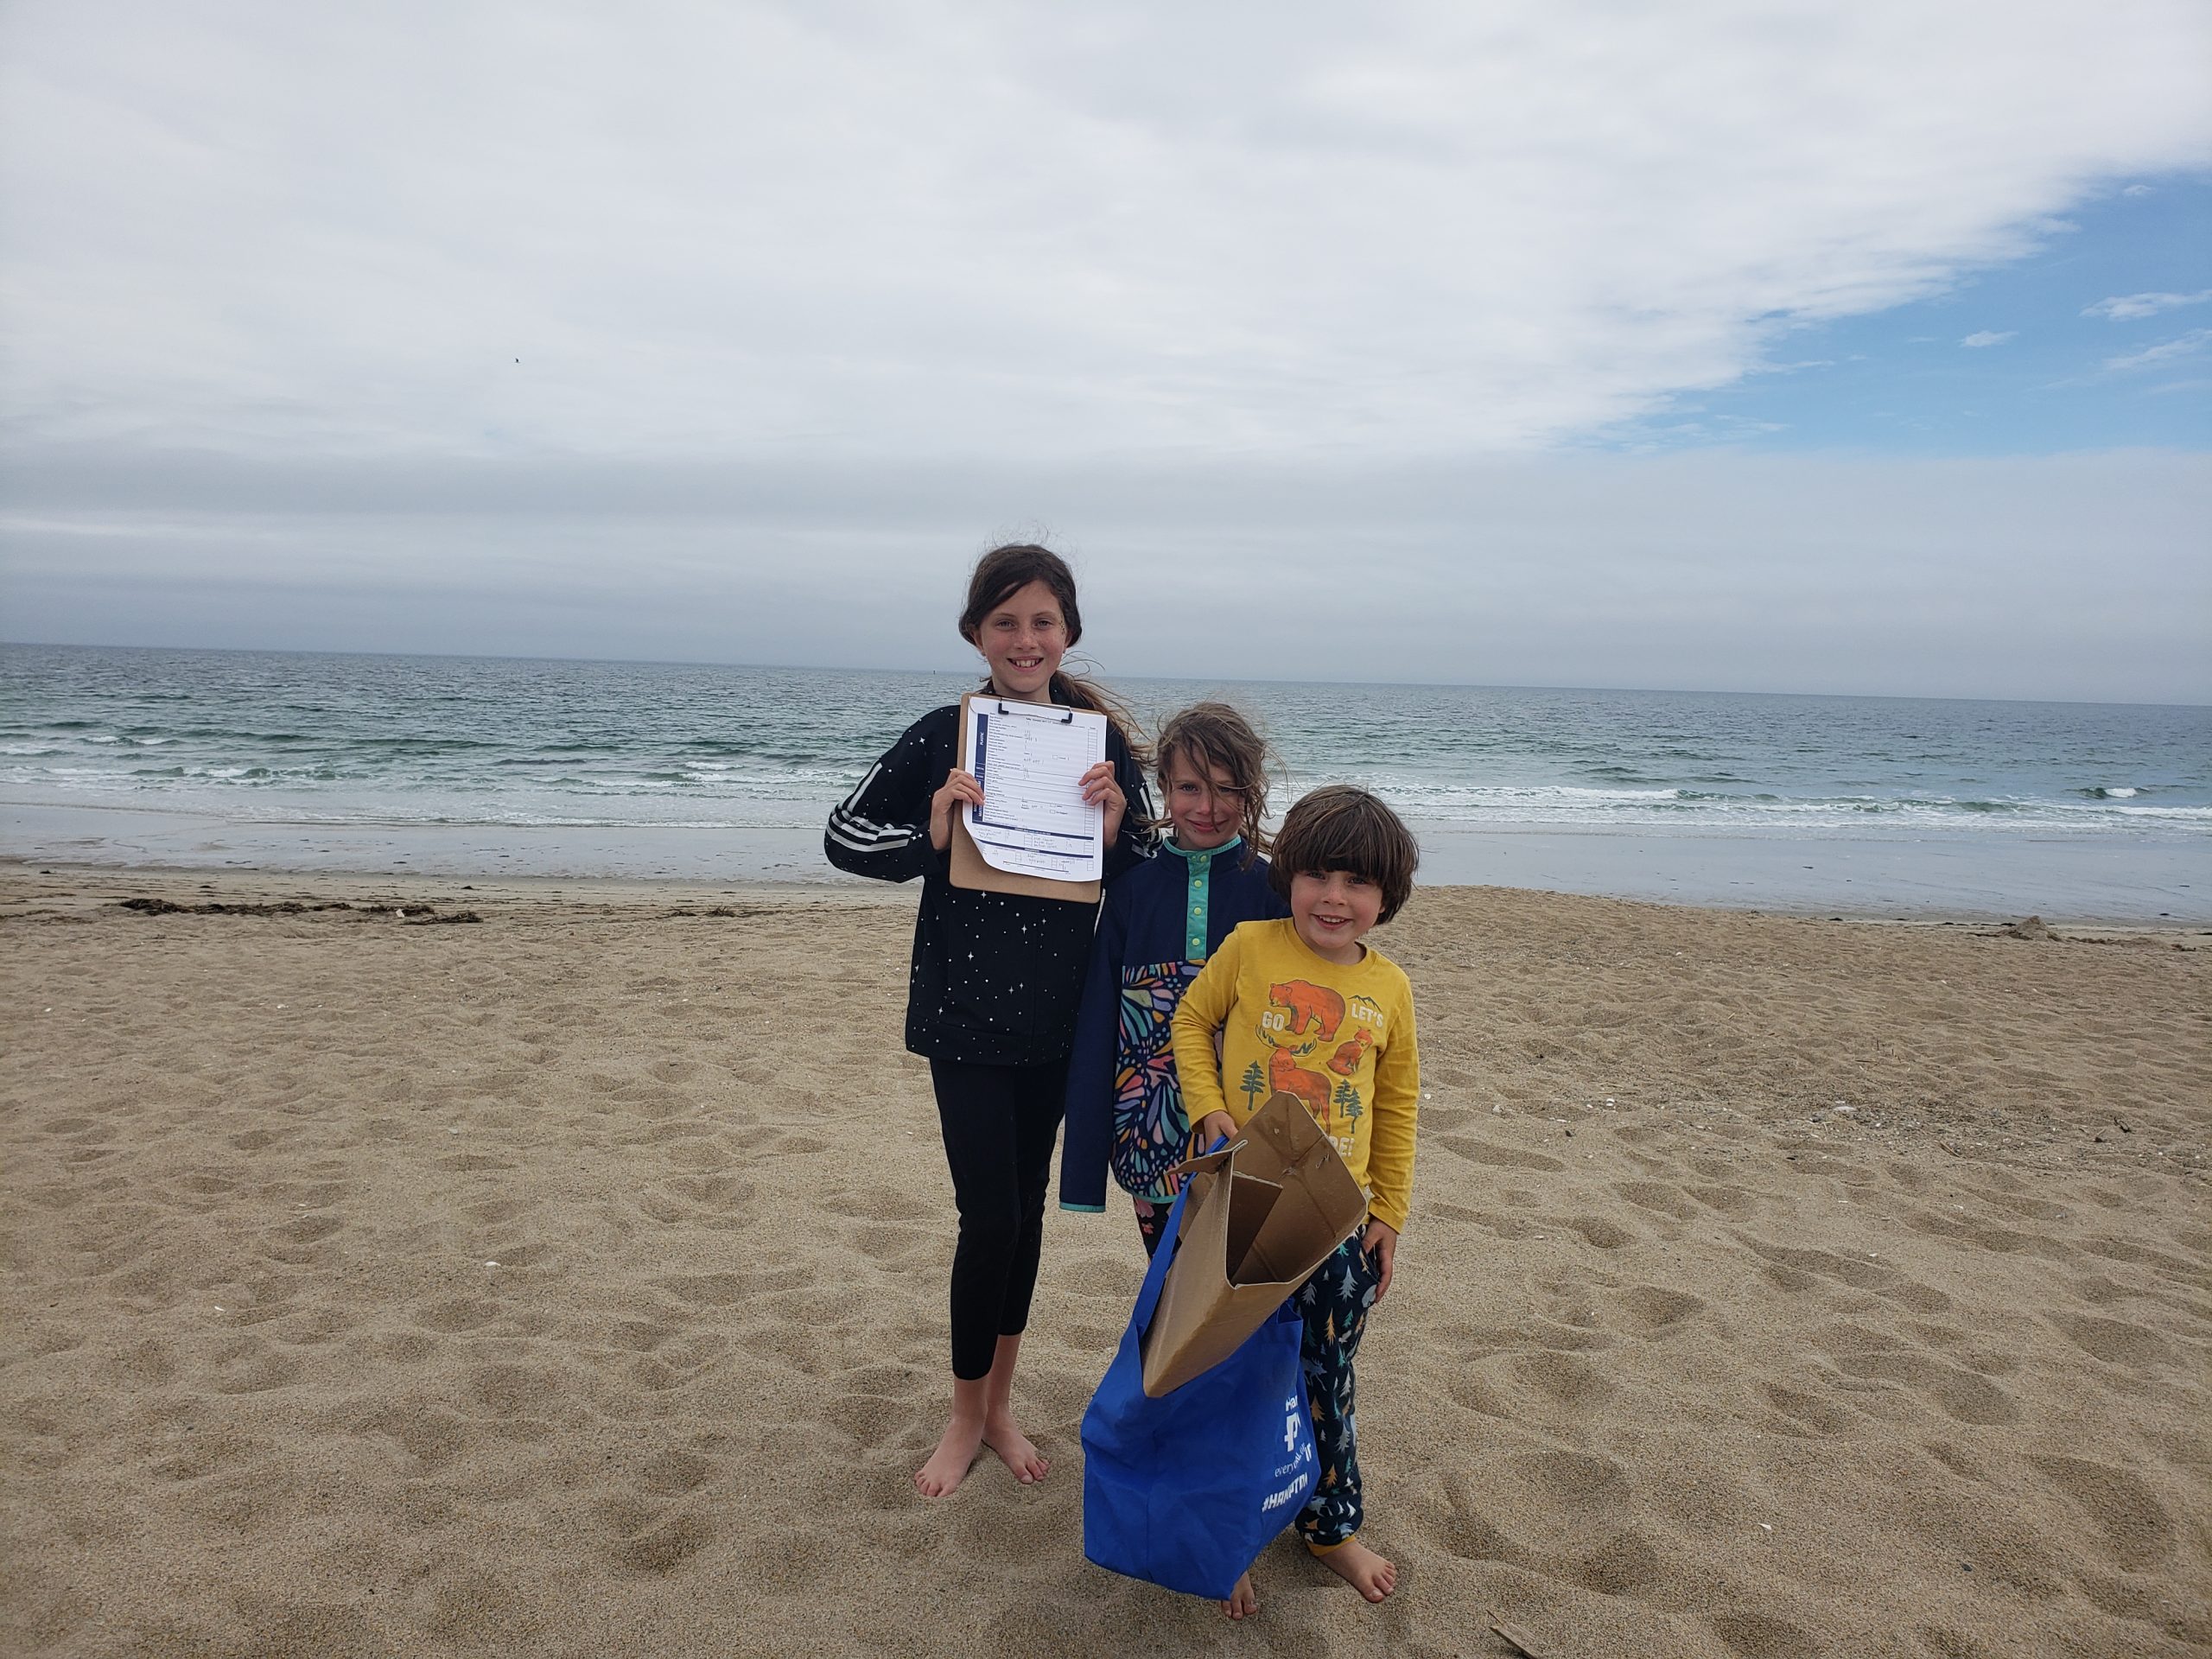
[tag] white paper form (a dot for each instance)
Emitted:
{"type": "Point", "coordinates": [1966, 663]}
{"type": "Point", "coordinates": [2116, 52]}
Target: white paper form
{"type": "Point", "coordinates": [1030, 759]}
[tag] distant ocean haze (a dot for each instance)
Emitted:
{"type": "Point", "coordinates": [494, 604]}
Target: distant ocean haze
{"type": "Point", "coordinates": [356, 739]}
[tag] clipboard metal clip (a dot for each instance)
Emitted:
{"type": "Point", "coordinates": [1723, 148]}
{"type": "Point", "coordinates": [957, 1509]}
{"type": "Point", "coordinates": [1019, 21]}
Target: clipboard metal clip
{"type": "Point", "coordinates": [1067, 715]}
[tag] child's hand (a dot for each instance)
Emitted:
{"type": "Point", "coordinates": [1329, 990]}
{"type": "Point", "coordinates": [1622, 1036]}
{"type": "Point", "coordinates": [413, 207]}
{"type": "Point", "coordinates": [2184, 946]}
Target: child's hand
{"type": "Point", "coordinates": [959, 788]}
{"type": "Point", "coordinates": [1101, 788]}
{"type": "Point", "coordinates": [1212, 1124]}
{"type": "Point", "coordinates": [1382, 1244]}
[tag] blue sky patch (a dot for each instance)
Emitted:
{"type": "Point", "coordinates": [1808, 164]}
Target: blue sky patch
{"type": "Point", "coordinates": [2100, 339]}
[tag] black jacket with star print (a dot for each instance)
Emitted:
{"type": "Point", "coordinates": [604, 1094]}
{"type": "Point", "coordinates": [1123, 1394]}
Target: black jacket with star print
{"type": "Point", "coordinates": [997, 976]}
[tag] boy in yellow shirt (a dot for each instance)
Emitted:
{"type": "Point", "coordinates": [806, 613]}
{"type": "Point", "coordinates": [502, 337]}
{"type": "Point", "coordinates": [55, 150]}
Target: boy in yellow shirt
{"type": "Point", "coordinates": [1302, 1006]}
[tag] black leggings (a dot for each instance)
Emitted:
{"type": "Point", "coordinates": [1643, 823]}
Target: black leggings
{"type": "Point", "coordinates": [1000, 1123]}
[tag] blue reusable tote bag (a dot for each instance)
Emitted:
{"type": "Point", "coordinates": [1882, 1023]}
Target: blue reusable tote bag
{"type": "Point", "coordinates": [1184, 1491]}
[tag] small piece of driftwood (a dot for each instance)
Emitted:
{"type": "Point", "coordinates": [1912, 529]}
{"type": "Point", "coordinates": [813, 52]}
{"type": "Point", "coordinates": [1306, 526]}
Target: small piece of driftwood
{"type": "Point", "coordinates": [1513, 1639]}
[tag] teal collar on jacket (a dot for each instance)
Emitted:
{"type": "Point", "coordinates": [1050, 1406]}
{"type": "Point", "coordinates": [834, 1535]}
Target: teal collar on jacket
{"type": "Point", "coordinates": [1199, 867]}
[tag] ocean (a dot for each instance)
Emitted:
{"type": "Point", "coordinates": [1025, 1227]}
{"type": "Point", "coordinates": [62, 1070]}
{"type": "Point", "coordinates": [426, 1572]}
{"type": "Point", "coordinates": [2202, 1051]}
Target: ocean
{"type": "Point", "coordinates": [448, 765]}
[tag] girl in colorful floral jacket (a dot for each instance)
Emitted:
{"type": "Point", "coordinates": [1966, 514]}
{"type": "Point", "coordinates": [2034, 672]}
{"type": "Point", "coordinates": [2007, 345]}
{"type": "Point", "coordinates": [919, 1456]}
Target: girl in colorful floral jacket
{"type": "Point", "coordinates": [1161, 921]}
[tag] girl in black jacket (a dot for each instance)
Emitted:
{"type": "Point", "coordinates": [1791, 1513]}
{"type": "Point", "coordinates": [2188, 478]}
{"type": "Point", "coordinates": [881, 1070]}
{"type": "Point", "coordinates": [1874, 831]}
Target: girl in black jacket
{"type": "Point", "coordinates": [996, 978]}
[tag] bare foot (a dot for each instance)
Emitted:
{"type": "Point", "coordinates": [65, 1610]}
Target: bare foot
{"type": "Point", "coordinates": [1015, 1450]}
{"type": "Point", "coordinates": [1361, 1568]}
{"type": "Point", "coordinates": [1242, 1603]}
{"type": "Point", "coordinates": [948, 1465]}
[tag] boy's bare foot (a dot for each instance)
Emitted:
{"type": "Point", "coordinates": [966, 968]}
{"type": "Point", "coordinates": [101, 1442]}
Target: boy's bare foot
{"type": "Point", "coordinates": [1015, 1450]}
{"type": "Point", "coordinates": [1361, 1568]}
{"type": "Point", "coordinates": [1242, 1603]}
{"type": "Point", "coordinates": [948, 1465]}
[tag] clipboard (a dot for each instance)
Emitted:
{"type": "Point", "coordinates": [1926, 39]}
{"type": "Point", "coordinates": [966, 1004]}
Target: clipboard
{"type": "Point", "coordinates": [970, 869]}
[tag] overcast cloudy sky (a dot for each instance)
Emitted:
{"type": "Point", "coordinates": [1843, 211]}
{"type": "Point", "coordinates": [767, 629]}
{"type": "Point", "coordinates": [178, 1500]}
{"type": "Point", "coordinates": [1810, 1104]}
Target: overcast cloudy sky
{"type": "Point", "coordinates": [1855, 347]}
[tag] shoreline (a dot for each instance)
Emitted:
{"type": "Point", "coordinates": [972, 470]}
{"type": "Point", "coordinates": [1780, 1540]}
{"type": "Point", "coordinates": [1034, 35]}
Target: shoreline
{"type": "Point", "coordinates": [235, 884]}
{"type": "Point", "coordinates": [2107, 880]}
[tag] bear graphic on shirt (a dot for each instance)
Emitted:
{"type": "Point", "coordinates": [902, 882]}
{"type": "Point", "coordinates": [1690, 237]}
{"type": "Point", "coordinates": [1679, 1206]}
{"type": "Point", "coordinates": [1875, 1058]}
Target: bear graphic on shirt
{"type": "Point", "coordinates": [1313, 1008]}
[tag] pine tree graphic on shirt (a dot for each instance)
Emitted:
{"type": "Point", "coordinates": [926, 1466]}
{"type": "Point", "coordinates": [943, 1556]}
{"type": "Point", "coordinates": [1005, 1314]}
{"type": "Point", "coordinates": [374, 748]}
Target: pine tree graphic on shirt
{"type": "Point", "coordinates": [1255, 1084]}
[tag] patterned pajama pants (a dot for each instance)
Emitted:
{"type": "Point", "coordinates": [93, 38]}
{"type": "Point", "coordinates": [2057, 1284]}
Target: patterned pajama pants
{"type": "Point", "coordinates": [1152, 1222]}
{"type": "Point", "coordinates": [1335, 1301]}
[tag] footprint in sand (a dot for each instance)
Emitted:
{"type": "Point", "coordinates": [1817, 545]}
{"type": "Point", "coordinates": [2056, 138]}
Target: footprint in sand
{"type": "Point", "coordinates": [150, 1363]}
{"type": "Point", "coordinates": [872, 1420]}
{"type": "Point", "coordinates": [1756, 1636]}
{"type": "Point", "coordinates": [1565, 1379]}
{"type": "Point", "coordinates": [1809, 1410]}
{"type": "Point", "coordinates": [430, 1435]}
{"type": "Point", "coordinates": [672, 1473]}
{"type": "Point", "coordinates": [2138, 1531]}
{"type": "Point", "coordinates": [642, 1336]}
{"type": "Point", "coordinates": [648, 1539]}
{"type": "Point", "coordinates": [513, 1390]}
{"type": "Point", "coordinates": [1476, 1150]}
{"type": "Point", "coordinates": [461, 1313]}
{"type": "Point", "coordinates": [252, 1367]}
{"type": "Point", "coordinates": [1622, 1564]}
{"type": "Point", "coordinates": [1599, 1233]}
{"type": "Point", "coordinates": [685, 1361]}
{"type": "Point", "coordinates": [1468, 1533]}
{"type": "Point", "coordinates": [1961, 1394]}
{"type": "Point", "coordinates": [1861, 1275]}
{"type": "Point", "coordinates": [1657, 1198]}
{"type": "Point", "coordinates": [1573, 1480]}
{"type": "Point", "coordinates": [2118, 1343]}
{"type": "Point", "coordinates": [476, 1608]}
{"type": "Point", "coordinates": [1656, 1309]}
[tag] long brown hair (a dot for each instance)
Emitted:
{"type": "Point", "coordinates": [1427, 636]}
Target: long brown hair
{"type": "Point", "coordinates": [1211, 737]}
{"type": "Point", "coordinates": [1005, 571]}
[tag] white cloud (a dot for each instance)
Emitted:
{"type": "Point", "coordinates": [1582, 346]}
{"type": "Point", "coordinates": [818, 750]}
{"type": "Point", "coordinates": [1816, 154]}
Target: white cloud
{"type": "Point", "coordinates": [2194, 340]}
{"type": "Point", "coordinates": [2127, 308]}
{"type": "Point", "coordinates": [862, 228]}
{"type": "Point", "coordinates": [2137, 190]}
{"type": "Point", "coordinates": [1985, 336]}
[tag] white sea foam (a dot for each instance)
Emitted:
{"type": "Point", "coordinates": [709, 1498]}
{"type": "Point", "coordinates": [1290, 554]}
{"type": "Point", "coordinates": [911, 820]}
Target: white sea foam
{"type": "Point", "coordinates": [365, 740]}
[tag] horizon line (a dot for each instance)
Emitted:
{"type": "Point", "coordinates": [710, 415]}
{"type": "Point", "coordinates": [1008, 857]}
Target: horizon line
{"type": "Point", "coordinates": [839, 668]}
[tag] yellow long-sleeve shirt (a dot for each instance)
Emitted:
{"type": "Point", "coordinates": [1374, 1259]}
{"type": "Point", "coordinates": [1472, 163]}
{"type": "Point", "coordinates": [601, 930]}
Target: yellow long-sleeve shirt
{"type": "Point", "coordinates": [1341, 1039]}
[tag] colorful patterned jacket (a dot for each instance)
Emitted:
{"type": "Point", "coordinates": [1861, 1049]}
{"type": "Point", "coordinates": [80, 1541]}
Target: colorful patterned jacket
{"type": "Point", "coordinates": [1160, 923]}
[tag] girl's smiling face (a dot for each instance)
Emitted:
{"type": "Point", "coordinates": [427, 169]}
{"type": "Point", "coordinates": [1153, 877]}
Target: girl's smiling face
{"type": "Point", "coordinates": [1203, 805]}
{"type": "Point", "coordinates": [1023, 640]}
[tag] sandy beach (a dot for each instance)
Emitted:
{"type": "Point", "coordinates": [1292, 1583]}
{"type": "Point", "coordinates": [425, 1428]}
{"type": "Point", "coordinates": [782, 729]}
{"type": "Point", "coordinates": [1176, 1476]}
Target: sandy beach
{"type": "Point", "coordinates": [570, 1280]}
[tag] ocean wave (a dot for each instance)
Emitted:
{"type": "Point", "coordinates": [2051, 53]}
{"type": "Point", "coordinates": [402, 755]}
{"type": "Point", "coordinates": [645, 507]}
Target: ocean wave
{"type": "Point", "coordinates": [606, 746]}
{"type": "Point", "coordinates": [364, 794]}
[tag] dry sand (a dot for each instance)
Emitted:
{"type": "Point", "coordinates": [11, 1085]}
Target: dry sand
{"type": "Point", "coordinates": [572, 1282]}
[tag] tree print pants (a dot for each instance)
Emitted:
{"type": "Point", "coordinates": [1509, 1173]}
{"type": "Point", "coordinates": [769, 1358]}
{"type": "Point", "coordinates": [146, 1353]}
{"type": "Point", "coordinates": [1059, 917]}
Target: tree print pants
{"type": "Point", "coordinates": [1335, 1301]}
{"type": "Point", "coordinates": [1152, 1222]}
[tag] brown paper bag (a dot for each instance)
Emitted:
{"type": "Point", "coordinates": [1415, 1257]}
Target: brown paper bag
{"type": "Point", "coordinates": [1262, 1213]}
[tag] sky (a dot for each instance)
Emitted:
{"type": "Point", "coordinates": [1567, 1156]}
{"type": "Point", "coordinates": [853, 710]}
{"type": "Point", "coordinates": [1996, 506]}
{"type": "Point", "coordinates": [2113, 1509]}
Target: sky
{"type": "Point", "coordinates": [1854, 348]}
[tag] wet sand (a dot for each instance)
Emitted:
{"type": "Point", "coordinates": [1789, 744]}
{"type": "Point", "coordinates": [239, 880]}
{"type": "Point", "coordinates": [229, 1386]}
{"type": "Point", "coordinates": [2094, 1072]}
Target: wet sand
{"type": "Point", "coordinates": [571, 1281]}
{"type": "Point", "coordinates": [2148, 881]}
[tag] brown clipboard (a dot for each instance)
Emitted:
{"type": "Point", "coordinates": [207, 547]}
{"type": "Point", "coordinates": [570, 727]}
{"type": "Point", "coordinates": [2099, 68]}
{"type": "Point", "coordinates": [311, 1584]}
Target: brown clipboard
{"type": "Point", "coordinates": [970, 867]}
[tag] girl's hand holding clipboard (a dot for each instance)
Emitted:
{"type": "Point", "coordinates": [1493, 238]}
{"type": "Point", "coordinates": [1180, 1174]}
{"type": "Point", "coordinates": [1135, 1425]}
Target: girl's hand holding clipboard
{"type": "Point", "coordinates": [959, 789]}
{"type": "Point", "coordinates": [1100, 789]}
